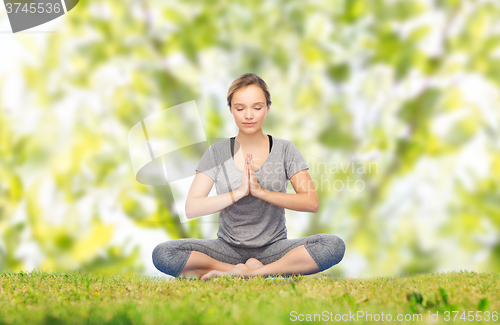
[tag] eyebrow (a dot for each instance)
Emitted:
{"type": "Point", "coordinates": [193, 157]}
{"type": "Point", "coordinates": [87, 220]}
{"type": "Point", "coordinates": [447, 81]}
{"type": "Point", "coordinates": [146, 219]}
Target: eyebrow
{"type": "Point", "coordinates": [244, 105]}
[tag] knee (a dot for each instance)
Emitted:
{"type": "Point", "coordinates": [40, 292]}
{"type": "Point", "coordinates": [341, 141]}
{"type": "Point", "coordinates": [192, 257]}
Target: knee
{"type": "Point", "coordinates": [335, 246]}
{"type": "Point", "coordinates": [158, 255]}
{"type": "Point", "coordinates": [338, 246]}
{"type": "Point", "coordinates": [166, 258]}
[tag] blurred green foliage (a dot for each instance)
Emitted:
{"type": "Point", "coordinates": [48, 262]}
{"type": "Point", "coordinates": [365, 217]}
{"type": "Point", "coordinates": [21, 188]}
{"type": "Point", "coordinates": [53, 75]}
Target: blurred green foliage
{"type": "Point", "coordinates": [346, 77]}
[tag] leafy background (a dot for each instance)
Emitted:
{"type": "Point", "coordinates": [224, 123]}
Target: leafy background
{"type": "Point", "coordinates": [412, 86]}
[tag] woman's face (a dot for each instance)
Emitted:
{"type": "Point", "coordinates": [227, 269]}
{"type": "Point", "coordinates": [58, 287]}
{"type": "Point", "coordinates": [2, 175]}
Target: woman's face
{"type": "Point", "coordinates": [248, 105]}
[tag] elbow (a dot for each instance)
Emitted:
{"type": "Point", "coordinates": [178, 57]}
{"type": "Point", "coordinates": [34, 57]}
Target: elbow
{"type": "Point", "coordinates": [187, 211]}
{"type": "Point", "coordinates": [191, 210]}
{"type": "Point", "coordinates": [189, 215]}
{"type": "Point", "coordinates": [315, 206]}
{"type": "Point", "coordinates": [311, 205]}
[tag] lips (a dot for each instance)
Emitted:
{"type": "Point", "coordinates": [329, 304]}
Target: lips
{"type": "Point", "coordinates": [248, 124]}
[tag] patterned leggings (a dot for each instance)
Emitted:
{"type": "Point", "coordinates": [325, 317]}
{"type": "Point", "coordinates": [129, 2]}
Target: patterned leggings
{"type": "Point", "coordinates": [171, 256]}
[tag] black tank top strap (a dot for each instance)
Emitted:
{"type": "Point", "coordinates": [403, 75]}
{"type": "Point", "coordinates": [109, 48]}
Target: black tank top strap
{"type": "Point", "coordinates": [232, 147]}
{"type": "Point", "coordinates": [233, 139]}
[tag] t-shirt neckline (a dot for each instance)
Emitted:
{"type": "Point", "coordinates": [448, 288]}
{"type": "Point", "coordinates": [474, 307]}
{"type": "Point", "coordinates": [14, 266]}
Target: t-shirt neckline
{"type": "Point", "coordinates": [265, 161]}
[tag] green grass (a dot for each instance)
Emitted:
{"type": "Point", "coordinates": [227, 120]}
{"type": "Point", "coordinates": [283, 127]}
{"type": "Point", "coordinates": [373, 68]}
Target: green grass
{"type": "Point", "coordinates": [86, 298]}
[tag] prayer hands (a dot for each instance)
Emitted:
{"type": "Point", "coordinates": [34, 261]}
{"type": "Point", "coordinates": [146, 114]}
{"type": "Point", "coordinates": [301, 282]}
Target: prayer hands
{"type": "Point", "coordinates": [249, 183]}
{"type": "Point", "coordinates": [254, 184]}
{"type": "Point", "coordinates": [245, 180]}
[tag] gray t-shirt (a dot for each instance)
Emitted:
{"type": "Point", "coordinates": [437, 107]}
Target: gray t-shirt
{"type": "Point", "coordinates": [251, 222]}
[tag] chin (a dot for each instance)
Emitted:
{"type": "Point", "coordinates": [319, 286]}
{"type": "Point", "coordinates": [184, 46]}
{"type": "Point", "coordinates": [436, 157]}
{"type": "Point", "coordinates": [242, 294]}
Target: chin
{"type": "Point", "coordinates": [250, 131]}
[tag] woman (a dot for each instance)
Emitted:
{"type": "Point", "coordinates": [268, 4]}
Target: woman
{"type": "Point", "coordinates": [251, 172]}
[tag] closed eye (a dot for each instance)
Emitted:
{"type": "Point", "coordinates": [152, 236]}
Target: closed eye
{"type": "Point", "coordinates": [257, 108]}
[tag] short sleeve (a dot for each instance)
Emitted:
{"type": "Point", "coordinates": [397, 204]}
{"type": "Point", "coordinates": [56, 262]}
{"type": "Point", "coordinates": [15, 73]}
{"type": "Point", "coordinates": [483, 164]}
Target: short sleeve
{"type": "Point", "coordinates": [294, 162]}
{"type": "Point", "coordinates": [207, 163]}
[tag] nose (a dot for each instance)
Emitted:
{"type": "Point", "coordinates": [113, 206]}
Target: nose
{"type": "Point", "coordinates": [248, 114]}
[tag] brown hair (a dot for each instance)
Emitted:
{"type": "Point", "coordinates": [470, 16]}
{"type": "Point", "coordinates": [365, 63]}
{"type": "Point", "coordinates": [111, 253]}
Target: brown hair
{"type": "Point", "coordinates": [248, 79]}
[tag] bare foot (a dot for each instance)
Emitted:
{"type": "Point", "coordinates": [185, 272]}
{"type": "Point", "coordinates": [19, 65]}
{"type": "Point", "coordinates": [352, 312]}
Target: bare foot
{"type": "Point", "coordinates": [238, 269]}
{"type": "Point", "coordinates": [253, 263]}
{"type": "Point", "coordinates": [212, 274]}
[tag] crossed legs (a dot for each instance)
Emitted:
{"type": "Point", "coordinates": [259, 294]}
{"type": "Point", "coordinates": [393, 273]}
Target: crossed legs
{"type": "Point", "coordinates": [207, 258]}
{"type": "Point", "coordinates": [199, 264]}
{"type": "Point", "coordinates": [296, 261]}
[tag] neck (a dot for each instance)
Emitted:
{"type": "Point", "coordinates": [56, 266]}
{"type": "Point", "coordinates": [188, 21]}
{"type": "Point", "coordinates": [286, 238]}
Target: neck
{"type": "Point", "coordinates": [254, 140]}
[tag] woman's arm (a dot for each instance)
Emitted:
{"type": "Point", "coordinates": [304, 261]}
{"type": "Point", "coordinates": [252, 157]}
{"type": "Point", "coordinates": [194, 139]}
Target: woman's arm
{"type": "Point", "coordinates": [305, 199]}
{"type": "Point", "coordinates": [199, 204]}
